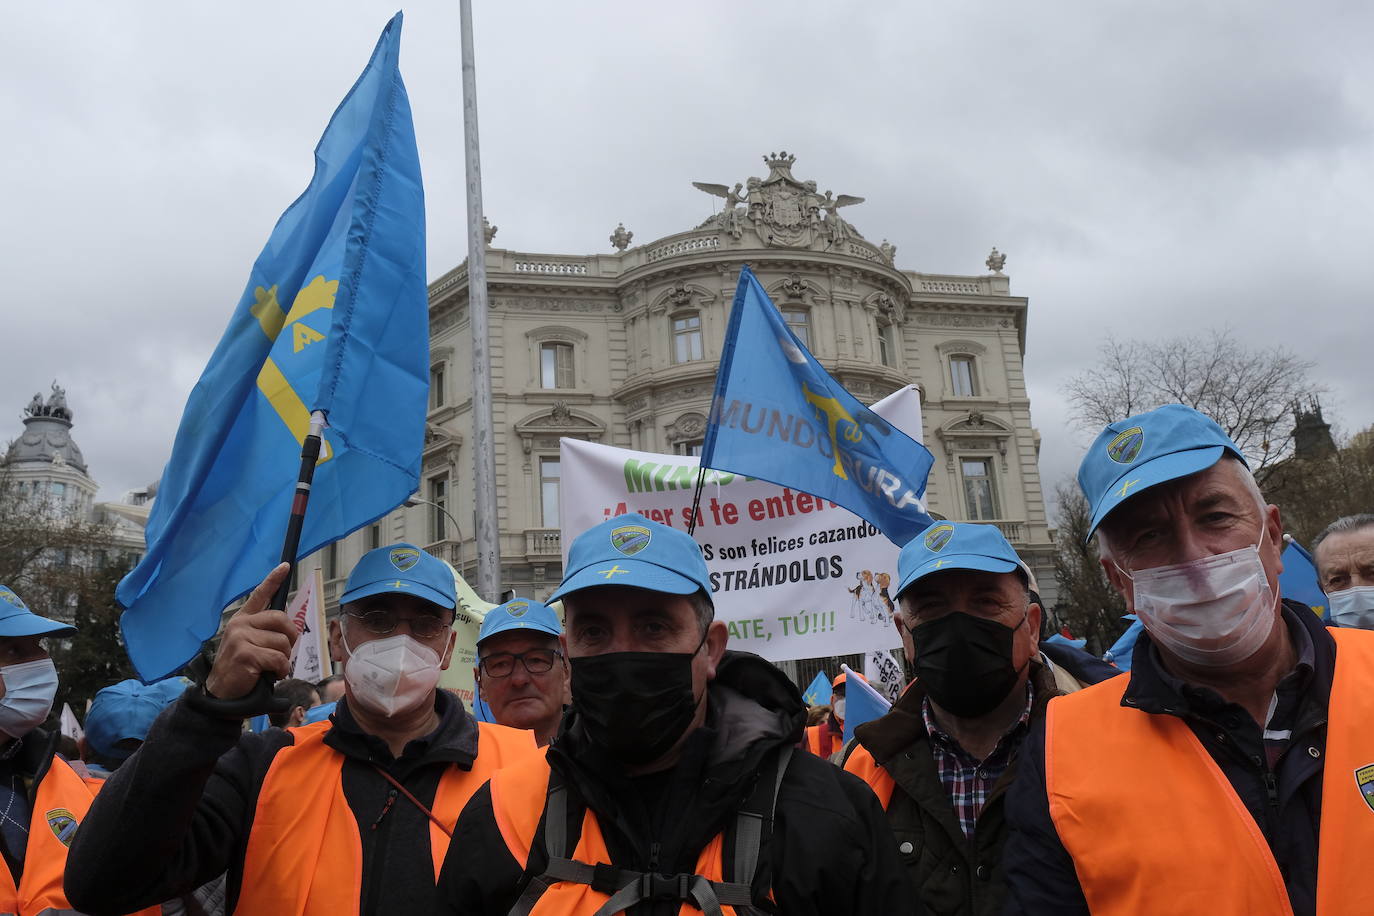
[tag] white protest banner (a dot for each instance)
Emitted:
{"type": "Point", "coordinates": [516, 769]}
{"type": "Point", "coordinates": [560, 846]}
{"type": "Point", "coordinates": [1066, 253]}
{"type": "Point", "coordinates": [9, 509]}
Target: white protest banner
{"type": "Point", "coordinates": [306, 611]}
{"type": "Point", "coordinates": [792, 576]}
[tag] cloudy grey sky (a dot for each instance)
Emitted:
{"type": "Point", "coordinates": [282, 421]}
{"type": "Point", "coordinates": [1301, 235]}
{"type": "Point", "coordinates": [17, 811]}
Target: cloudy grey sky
{"type": "Point", "coordinates": [1151, 169]}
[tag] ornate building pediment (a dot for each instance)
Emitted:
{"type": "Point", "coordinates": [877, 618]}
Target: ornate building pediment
{"type": "Point", "coordinates": [688, 426]}
{"type": "Point", "coordinates": [559, 421]}
{"type": "Point", "coordinates": [441, 447]}
{"type": "Point", "coordinates": [974, 432]}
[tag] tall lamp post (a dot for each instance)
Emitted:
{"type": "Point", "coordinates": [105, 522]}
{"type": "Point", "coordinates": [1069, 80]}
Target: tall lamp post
{"type": "Point", "coordinates": [413, 501]}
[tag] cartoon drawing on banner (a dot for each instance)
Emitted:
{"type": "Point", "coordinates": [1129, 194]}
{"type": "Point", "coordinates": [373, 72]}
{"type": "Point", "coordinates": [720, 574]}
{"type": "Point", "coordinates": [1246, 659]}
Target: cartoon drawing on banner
{"type": "Point", "coordinates": [871, 603]}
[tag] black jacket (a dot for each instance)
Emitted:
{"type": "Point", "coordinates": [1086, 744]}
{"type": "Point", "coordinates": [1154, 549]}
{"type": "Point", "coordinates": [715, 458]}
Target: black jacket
{"type": "Point", "coordinates": [830, 851]}
{"type": "Point", "coordinates": [1285, 801]}
{"type": "Point", "coordinates": [179, 811]}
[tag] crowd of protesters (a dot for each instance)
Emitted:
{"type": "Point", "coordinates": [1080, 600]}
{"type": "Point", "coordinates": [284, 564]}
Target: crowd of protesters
{"type": "Point", "coordinates": [637, 764]}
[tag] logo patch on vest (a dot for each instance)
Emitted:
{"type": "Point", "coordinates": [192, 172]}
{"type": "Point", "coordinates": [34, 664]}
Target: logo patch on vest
{"type": "Point", "coordinates": [938, 537]}
{"type": "Point", "coordinates": [63, 824]}
{"type": "Point", "coordinates": [630, 539]}
{"type": "Point", "coordinates": [1364, 779]}
{"type": "Point", "coordinates": [1125, 448]}
{"type": "Point", "coordinates": [404, 558]}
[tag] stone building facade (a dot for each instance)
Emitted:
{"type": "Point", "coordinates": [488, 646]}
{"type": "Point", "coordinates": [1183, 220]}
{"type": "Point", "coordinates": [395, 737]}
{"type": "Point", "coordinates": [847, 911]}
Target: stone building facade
{"type": "Point", "coordinates": [622, 348]}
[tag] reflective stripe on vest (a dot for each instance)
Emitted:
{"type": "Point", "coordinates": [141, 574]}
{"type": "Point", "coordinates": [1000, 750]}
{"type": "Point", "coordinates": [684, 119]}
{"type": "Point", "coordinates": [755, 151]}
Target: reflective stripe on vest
{"type": "Point", "coordinates": [1154, 826]}
{"type": "Point", "coordinates": [820, 740]}
{"type": "Point", "coordinates": [519, 796]}
{"type": "Point", "coordinates": [62, 800]}
{"type": "Point", "coordinates": [862, 765]}
{"type": "Point", "coordinates": [304, 855]}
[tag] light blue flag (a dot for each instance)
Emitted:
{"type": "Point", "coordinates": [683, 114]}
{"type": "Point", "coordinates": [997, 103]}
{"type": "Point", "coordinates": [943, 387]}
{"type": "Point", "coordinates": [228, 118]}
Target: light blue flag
{"type": "Point", "coordinates": [861, 703]}
{"type": "Point", "coordinates": [818, 692]}
{"type": "Point", "coordinates": [1120, 652]}
{"type": "Point", "coordinates": [333, 318]}
{"type": "Point", "coordinates": [777, 415]}
{"type": "Point", "coordinates": [1298, 581]}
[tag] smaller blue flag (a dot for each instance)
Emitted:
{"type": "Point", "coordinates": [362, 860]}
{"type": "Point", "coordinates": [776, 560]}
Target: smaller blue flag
{"type": "Point", "coordinates": [1298, 581]}
{"type": "Point", "coordinates": [259, 724]}
{"type": "Point", "coordinates": [861, 703]}
{"type": "Point", "coordinates": [1120, 652]}
{"type": "Point", "coordinates": [1060, 639]}
{"type": "Point", "coordinates": [818, 692]}
{"type": "Point", "coordinates": [319, 713]}
{"type": "Point", "coordinates": [778, 416]}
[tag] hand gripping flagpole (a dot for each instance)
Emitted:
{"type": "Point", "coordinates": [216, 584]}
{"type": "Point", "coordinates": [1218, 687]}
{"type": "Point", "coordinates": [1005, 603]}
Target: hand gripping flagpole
{"type": "Point", "coordinates": [261, 699]}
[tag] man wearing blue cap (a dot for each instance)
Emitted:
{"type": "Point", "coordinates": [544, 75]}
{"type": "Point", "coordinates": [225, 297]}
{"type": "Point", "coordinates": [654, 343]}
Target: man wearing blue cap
{"type": "Point", "coordinates": [672, 784]}
{"type": "Point", "coordinates": [1227, 773]}
{"type": "Point", "coordinates": [348, 815]}
{"type": "Point", "coordinates": [42, 798]}
{"type": "Point", "coordinates": [521, 673]}
{"type": "Point", "coordinates": [942, 758]}
{"type": "Point", "coordinates": [119, 719]}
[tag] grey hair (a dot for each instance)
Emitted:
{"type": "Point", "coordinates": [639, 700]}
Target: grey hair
{"type": "Point", "coordinates": [1344, 525]}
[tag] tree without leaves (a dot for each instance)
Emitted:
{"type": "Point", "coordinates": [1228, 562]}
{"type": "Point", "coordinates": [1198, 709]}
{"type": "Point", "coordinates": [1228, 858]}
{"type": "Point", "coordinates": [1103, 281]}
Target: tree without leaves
{"type": "Point", "coordinates": [1247, 391]}
{"type": "Point", "coordinates": [1088, 605]}
{"type": "Point", "coordinates": [1311, 493]}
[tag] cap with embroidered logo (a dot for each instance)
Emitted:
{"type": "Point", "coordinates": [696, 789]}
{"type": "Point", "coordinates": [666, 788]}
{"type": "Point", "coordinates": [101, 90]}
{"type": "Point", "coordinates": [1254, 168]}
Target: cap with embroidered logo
{"type": "Point", "coordinates": [17, 620]}
{"type": "Point", "coordinates": [955, 545]}
{"type": "Point", "coordinates": [632, 550]}
{"type": "Point", "coordinates": [402, 569]}
{"type": "Point", "coordinates": [520, 614]}
{"type": "Point", "coordinates": [1148, 449]}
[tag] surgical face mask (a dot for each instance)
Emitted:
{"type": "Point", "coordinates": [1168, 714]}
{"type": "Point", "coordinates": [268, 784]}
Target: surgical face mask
{"type": "Point", "coordinates": [1215, 612]}
{"type": "Point", "coordinates": [838, 710]}
{"type": "Point", "coordinates": [391, 675]}
{"type": "Point", "coordinates": [29, 691]}
{"type": "Point", "coordinates": [1352, 607]}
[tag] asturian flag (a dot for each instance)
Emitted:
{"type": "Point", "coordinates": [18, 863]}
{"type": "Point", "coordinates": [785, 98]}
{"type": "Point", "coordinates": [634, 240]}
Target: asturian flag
{"type": "Point", "coordinates": [334, 318]}
{"type": "Point", "coordinates": [778, 416]}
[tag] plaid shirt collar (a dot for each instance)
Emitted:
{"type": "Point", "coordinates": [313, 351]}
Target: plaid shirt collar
{"type": "Point", "coordinates": [1003, 743]}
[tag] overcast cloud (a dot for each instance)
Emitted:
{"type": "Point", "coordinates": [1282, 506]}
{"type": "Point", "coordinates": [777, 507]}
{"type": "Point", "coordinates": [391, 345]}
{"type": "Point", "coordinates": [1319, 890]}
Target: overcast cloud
{"type": "Point", "coordinates": [1150, 169]}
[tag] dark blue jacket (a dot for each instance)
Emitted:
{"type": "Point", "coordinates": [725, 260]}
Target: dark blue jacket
{"type": "Point", "coordinates": [1285, 801]}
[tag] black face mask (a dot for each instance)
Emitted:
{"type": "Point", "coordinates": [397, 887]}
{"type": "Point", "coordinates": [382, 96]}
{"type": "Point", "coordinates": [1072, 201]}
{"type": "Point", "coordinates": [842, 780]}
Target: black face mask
{"type": "Point", "coordinates": [964, 662]}
{"type": "Point", "coordinates": [634, 705]}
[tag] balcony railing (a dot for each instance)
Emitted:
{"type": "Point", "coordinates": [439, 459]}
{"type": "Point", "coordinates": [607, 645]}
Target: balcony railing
{"type": "Point", "coordinates": [543, 542]}
{"type": "Point", "coordinates": [1012, 531]}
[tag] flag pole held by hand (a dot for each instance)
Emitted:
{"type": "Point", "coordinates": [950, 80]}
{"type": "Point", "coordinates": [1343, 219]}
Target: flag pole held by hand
{"type": "Point", "coordinates": [260, 699]}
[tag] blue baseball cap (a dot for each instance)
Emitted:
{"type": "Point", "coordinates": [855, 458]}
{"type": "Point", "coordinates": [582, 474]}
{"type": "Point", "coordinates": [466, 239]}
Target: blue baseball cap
{"type": "Point", "coordinates": [127, 710]}
{"type": "Point", "coordinates": [17, 620]}
{"type": "Point", "coordinates": [520, 614]}
{"type": "Point", "coordinates": [632, 550]}
{"type": "Point", "coordinates": [1147, 449]}
{"type": "Point", "coordinates": [955, 545]}
{"type": "Point", "coordinates": [402, 569]}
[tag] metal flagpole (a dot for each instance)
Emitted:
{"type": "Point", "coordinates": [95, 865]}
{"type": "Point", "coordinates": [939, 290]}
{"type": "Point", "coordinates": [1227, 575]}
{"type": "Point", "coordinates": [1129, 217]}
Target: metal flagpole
{"type": "Point", "coordinates": [484, 444]}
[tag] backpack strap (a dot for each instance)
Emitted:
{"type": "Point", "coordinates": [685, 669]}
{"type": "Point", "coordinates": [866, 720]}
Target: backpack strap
{"type": "Point", "coordinates": [752, 828]}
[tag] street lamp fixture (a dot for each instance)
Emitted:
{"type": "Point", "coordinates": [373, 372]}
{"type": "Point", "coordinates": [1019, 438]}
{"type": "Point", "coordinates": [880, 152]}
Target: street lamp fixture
{"type": "Point", "coordinates": [413, 501]}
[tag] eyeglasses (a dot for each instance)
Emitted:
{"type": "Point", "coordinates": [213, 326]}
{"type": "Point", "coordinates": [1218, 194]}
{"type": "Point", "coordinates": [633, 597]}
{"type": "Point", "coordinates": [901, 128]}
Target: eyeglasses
{"type": "Point", "coordinates": [381, 623]}
{"type": "Point", "coordinates": [536, 661]}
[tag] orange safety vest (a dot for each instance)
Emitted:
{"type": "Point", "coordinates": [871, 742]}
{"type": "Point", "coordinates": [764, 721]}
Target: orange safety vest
{"type": "Point", "coordinates": [518, 797]}
{"type": "Point", "coordinates": [1154, 826]}
{"type": "Point", "coordinates": [820, 740]}
{"type": "Point", "coordinates": [304, 855]}
{"type": "Point", "coordinates": [62, 800]}
{"type": "Point", "coordinates": [862, 765]}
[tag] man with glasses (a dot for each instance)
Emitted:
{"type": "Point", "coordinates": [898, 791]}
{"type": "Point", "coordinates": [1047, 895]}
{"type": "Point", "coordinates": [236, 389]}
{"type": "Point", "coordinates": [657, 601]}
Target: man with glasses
{"type": "Point", "coordinates": [521, 673]}
{"type": "Point", "coordinates": [349, 815]}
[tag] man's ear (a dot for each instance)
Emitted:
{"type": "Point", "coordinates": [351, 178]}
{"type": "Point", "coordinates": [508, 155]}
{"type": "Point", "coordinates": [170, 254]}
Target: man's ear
{"type": "Point", "coordinates": [447, 658]}
{"type": "Point", "coordinates": [717, 636]}
{"type": "Point", "coordinates": [336, 649]}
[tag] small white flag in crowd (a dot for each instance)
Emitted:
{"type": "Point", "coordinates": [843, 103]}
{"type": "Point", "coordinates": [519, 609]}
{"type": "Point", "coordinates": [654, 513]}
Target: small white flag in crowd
{"type": "Point", "coordinates": [883, 673]}
{"type": "Point", "coordinates": [306, 611]}
{"type": "Point", "coordinates": [68, 724]}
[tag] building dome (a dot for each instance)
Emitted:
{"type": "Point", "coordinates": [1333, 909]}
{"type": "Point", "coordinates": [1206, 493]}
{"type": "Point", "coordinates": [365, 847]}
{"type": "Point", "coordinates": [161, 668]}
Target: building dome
{"type": "Point", "coordinates": [47, 435]}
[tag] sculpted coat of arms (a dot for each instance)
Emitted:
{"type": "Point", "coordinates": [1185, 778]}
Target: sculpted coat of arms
{"type": "Point", "coordinates": [782, 211]}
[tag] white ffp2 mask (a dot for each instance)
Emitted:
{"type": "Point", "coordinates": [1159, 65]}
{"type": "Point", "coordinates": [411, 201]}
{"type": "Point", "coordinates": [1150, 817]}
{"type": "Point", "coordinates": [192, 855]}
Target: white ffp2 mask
{"type": "Point", "coordinates": [391, 675]}
{"type": "Point", "coordinates": [29, 691]}
{"type": "Point", "coordinates": [1216, 611]}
